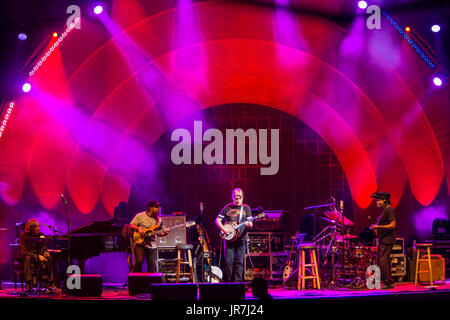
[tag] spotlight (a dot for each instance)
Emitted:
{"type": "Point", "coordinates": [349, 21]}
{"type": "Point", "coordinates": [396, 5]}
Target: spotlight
{"type": "Point", "coordinates": [98, 9]}
{"type": "Point", "coordinates": [407, 29]}
{"type": "Point", "coordinates": [435, 28]}
{"type": "Point", "coordinates": [54, 34]}
{"type": "Point", "coordinates": [437, 81]}
{"type": "Point", "coordinates": [26, 87]}
{"type": "Point", "coordinates": [362, 4]}
{"type": "Point", "coordinates": [22, 36]}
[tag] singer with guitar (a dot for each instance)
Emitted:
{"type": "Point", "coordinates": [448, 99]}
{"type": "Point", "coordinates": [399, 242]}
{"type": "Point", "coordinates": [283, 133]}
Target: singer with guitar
{"type": "Point", "coordinates": [236, 212]}
{"type": "Point", "coordinates": [143, 221]}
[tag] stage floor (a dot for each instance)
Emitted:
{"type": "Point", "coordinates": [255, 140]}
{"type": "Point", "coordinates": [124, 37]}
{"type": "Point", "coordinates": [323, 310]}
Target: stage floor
{"type": "Point", "coordinates": [402, 290]}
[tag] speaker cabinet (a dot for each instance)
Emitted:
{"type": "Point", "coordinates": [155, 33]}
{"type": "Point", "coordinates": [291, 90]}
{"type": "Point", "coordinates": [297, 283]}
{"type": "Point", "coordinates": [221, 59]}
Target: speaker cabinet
{"type": "Point", "coordinates": [222, 291]}
{"type": "Point", "coordinates": [437, 269]}
{"type": "Point", "coordinates": [174, 291]}
{"type": "Point", "coordinates": [141, 282]}
{"type": "Point", "coordinates": [90, 286]}
{"type": "Point", "coordinates": [175, 236]}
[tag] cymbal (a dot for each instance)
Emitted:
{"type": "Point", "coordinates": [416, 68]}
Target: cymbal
{"type": "Point", "coordinates": [346, 236]}
{"type": "Point", "coordinates": [329, 220]}
{"type": "Point", "coordinates": [336, 216]}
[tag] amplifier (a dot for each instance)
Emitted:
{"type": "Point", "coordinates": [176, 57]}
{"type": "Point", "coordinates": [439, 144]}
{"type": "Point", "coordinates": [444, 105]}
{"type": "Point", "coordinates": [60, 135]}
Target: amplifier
{"type": "Point", "coordinates": [265, 242]}
{"type": "Point", "coordinates": [437, 269]}
{"type": "Point", "coordinates": [268, 266]}
{"type": "Point", "coordinates": [399, 246]}
{"type": "Point", "coordinates": [398, 265]}
{"type": "Point", "coordinates": [175, 236]}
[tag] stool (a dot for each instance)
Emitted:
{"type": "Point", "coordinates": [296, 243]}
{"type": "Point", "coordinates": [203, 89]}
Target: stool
{"type": "Point", "coordinates": [182, 250]}
{"type": "Point", "coordinates": [311, 249]}
{"type": "Point", "coordinates": [423, 246]}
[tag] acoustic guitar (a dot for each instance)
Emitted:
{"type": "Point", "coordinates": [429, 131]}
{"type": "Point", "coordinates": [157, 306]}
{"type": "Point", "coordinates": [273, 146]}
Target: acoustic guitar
{"type": "Point", "coordinates": [288, 269]}
{"type": "Point", "coordinates": [138, 239]}
{"type": "Point", "coordinates": [233, 230]}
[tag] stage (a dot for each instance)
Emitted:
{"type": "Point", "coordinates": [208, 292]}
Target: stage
{"type": "Point", "coordinates": [401, 291]}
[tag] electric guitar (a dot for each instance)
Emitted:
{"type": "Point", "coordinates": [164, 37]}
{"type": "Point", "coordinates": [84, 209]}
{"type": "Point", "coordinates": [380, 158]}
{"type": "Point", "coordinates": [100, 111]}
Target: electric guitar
{"type": "Point", "coordinates": [233, 230]}
{"type": "Point", "coordinates": [213, 274]}
{"type": "Point", "coordinates": [138, 239]}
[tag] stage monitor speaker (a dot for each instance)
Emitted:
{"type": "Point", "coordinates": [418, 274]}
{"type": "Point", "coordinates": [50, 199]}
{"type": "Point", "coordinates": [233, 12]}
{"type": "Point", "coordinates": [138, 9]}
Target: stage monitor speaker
{"type": "Point", "coordinates": [174, 291]}
{"type": "Point", "coordinates": [222, 291]}
{"type": "Point", "coordinates": [175, 236]}
{"type": "Point", "coordinates": [90, 286]}
{"type": "Point", "coordinates": [141, 282]}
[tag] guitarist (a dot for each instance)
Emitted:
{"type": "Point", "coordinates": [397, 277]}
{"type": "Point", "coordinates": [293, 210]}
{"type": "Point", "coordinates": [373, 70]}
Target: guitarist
{"type": "Point", "coordinates": [236, 212]}
{"type": "Point", "coordinates": [148, 250]}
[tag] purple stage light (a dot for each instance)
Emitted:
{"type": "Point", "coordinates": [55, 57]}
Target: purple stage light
{"type": "Point", "coordinates": [98, 9]}
{"type": "Point", "coordinates": [26, 87]}
{"type": "Point", "coordinates": [362, 4]}
{"type": "Point", "coordinates": [435, 28]}
{"type": "Point", "coordinates": [437, 81]}
{"type": "Point", "coordinates": [22, 36]}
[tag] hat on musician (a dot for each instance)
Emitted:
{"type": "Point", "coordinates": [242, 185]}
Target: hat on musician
{"type": "Point", "coordinates": [154, 204]}
{"type": "Point", "coordinates": [381, 195]}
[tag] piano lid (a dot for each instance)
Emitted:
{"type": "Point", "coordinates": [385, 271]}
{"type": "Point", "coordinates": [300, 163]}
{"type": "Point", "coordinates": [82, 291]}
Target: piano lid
{"type": "Point", "coordinates": [97, 228]}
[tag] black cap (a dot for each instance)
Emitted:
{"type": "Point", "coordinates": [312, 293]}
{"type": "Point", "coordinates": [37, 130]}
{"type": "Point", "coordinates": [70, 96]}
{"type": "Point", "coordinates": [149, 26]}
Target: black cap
{"type": "Point", "coordinates": [381, 195]}
{"type": "Point", "coordinates": [153, 204]}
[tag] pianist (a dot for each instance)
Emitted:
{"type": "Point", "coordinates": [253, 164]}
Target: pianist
{"type": "Point", "coordinates": [148, 250]}
{"type": "Point", "coordinates": [33, 255]}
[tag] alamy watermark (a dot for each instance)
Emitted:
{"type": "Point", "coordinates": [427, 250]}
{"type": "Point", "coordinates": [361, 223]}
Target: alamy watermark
{"type": "Point", "coordinates": [213, 153]}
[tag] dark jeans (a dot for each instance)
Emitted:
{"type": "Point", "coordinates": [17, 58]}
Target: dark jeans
{"type": "Point", "coordinates": [384, 262]}
{"type": "Point", "coordinates": [43, 269]}
{"type": "Point", "coordinates": [141, 253]}
{"type": "Point", "coordinates": [234, 260]}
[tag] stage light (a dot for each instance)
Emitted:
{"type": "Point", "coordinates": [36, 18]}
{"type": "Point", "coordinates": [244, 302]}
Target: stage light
{"type": "Point", "coordinates": [54, 34]}
{"type": "Point", "coordinates": [98, 9]}
{"type": "Point", "coordinates": [407, 29]}
{"type": "Point", "coordinates": [437, 81]}
{"type": "Point", "coordinates": [362, 4]}
{"type": "Point", "coordinates": [22, 36]}
{"type": "Point", "coordinates": [435, 28]}
{"type": "Point", "coordinates": [26, 87]}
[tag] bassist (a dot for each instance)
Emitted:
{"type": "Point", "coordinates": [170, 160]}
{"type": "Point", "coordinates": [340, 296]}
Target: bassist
{"type": "Point", "coordinates": [148, 250]}
{"type": "Point", "coordinates": [236, 212]}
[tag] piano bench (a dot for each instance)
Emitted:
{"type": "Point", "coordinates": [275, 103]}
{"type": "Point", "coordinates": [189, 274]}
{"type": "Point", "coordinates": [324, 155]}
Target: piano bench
{"type": "Point", "coordinates": [91, 286]}
{"type": "Point", "coordinates": [141, 282]}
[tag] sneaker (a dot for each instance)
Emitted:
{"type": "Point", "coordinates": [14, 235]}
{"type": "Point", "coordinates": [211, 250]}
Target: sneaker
{"type": "Point", "coordinates": [388, 286]}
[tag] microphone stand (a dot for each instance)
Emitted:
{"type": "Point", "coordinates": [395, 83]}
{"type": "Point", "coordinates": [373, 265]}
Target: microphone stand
{"type": "Point", "coordinates": [68, 230]}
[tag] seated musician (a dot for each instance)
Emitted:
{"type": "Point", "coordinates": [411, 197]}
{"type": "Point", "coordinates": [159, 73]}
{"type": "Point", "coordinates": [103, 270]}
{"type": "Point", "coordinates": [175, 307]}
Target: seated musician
{"type": "Point", "coordinates": [33, 254]}
{"type": "Point", "coordinates": [147, 250]}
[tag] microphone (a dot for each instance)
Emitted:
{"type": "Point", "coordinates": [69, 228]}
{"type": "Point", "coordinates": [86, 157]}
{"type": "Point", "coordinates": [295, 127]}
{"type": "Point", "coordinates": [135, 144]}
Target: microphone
{"type": "Point", "coordinates": [341, 205]}
{"type": "Point", "coordinates": [63, 199]}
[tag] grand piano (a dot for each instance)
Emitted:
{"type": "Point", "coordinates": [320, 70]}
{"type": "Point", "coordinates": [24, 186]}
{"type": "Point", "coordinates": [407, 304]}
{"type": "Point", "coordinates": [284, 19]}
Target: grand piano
{"type": "Point", "coordinates": [88, 241]}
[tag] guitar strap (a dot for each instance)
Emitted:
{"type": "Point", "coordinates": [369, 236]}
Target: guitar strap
{"type": "Point", "coordinates": [240, 214]}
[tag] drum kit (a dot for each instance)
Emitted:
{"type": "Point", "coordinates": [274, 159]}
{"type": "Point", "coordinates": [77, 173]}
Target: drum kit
{"type": "Point", "coordinates": [343, 259]}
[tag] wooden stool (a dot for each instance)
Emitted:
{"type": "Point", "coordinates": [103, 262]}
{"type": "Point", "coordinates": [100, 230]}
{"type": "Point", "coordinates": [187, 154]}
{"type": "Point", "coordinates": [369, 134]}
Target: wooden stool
{"type": "Point", "coordinates": [423, 246]}
{"type": "Point", "coordinates": [311, 248]}
{"type": "Point", "coordinates": [182, 249]}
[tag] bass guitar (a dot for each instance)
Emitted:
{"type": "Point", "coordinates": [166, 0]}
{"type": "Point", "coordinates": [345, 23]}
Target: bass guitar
{"type": "Point", "coordinates": [138, 239]}
{"type": "Point", "coordinates": [233, 230]}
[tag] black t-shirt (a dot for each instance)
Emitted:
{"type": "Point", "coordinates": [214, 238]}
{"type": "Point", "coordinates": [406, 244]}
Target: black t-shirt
{"type": "Point", "coordinates": [386, 236]}
{"type": "Point", "coordinates": [231, 213]}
